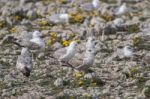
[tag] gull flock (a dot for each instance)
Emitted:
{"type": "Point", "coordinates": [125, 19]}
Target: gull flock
{"type": "Point", "coordinates": [68, 56]}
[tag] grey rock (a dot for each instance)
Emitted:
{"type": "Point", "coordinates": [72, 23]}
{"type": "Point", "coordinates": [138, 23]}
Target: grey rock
{"type": "Point", "coordinates": [147, 83]}
{"type": "Point", "coordinates": [56, 46]}
{"type": "Point", "coordinates": [146, 92]}
{"type": "Point", "coordinates": [31, 14]}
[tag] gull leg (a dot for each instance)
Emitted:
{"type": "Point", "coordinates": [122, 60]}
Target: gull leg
{"type": "Point", "coordinates": [33, 56]}
{"type": "Point", "coordinates": [69, 64]}
{"type": "Point", "coordinates": [66, 64]}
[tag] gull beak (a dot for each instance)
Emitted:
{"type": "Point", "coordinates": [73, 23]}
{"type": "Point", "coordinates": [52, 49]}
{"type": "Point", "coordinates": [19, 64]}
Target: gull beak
{"type": "Point", "coordinates": [95, 42]}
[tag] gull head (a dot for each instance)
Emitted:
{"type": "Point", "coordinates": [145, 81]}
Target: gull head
{"type": "Point", "coordinates": [122, 9]}
{"type": "Point", "coordinates": [124, 4]}
{"type": "Point", "coordinates": [73, 44]}
{"type": "Point", "coordinates": [91, 51]}
{"type": "Point", "coordinates": [36, 34]}
{"type": "Point", "coordinates": [95, 3]}
{"type": "Point", "coordinates": [91, 42]}
{"type": "Point", "coordinates": [91, 39]}
{"type": "Point", "coordinates": [127, 50]}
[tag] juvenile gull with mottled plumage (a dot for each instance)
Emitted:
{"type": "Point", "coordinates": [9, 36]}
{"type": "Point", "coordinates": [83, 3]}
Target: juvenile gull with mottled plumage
{"type": "Point", "coordinates": [82, 61]}
{"type": "Point", "coordinates": [24, 62]}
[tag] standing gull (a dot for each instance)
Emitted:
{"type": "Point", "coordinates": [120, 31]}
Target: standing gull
{"type": "Point", "coordinates": [91, 42]}
{"type": "Point", "coordinates": [36, 43]}
{"type": "Point", "coordinates": [24, 62]}
{"type": "Point", "coordinates": [65, 54]}
{"type": "Point", "coordinates": [32, 41]}
{"type": "Point", "coordinates": [121, 10]}
{"type": "Point", "coordinates": [128, 52]}
{"type": "Point", "coordinates": [88, 60]}
{"type": "Point", "coordinates": [83, 61]}
{"type": "Point", "coordinates": [95, 4]}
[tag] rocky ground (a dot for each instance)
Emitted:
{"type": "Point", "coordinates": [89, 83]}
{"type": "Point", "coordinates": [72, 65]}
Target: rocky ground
{"type": "Point", "coordinates": [112, 76]}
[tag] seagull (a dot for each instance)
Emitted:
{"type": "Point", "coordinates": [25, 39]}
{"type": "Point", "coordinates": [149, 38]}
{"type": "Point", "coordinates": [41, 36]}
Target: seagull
{"type": "Point", "coordinates": [122, 9]}
{"type": "Point", "coordinates": [118, 22]}
{"type": "Point", "coordinates": [70, 53]}
{"type": "Point", "coordinates": [64, 55]}
{"type": "Point", "coordinates": [88, 60]}
{"type": "Point", "coordinates": [95, 3]}
{"type": "Point", "coordinates": [59, 18]}
{"type": "Point", "coordinates": [82, 61]}
{"type": "Point", "coordinates": [36, 42]}
{"type": "Point", "coordinates": [32, 41]}
{"type": "Point", "coordinates": [24, 62]}
{"type": "Point", "coordinates": [127, 51]}
{"type": "Point", "coordinates": [91, 5]}
{"type": "Point", "coordinates": [90, 42]}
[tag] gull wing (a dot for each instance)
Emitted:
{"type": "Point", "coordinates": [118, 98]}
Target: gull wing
{"type": "Point", "coordinates": [60, 52]}
{"type": "Point", "coordinates": [77, 60]}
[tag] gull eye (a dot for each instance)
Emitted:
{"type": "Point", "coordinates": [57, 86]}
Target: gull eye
{"type": "Point", "coordinates": [120, 46]}
{"type": "Point", "coordinates": [96, 43]}
{"type": "Point", "coordinates": [90, 50]}
{"type": "Point", "coordinates": [93, 39]}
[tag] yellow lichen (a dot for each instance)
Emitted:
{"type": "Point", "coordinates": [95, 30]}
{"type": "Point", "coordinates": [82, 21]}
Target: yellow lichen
{"type": "Point", "coordinates": [78, 74]}
{"type": "Point", "coordinates": [53, 35]}
{"type": "Point", "coordinates": [80, 83]}
{"type": "Point", "coordinates": [72, 97]}
{"type": "Point", "coordinates": [63, 1]}
{"type": "Point", "coordinates": [132, 28]}
{"type": "Point", "coordinates": [78, 41]}
{"type": "Point", "coordinates": [136, 40]}
{"type": "Point", "coordinates": [43, 23]}
{"type": "Point", "coordinates": [2, 23]}
{"type": "Point", "coordinates": [87, 95]}
{"type": "Point", "coordinates": [49, 42]}
{"type": "Point", "coordinates": [52, 40]}
{"type": "Point", "coordinates": [76, 18]}
{"type": "Point", "coordinates": [72, 35]}
{"type": "Point", "coordinates": [65, 43]}
{"type": "Point", "coordinates": [107, 17]}
{"type": "Point", "coordinates": [133, 72]}
{"type": "Point", "coordinates": [94, 84]}
{"type": "Point", "coordinates": [93, 13]}
{"type": "Point", "coordinates": [13, 30]}
{"type": "Point", "coordinates": [30, 17]}
{"type": "Point", "coordinates": [16, 17]}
